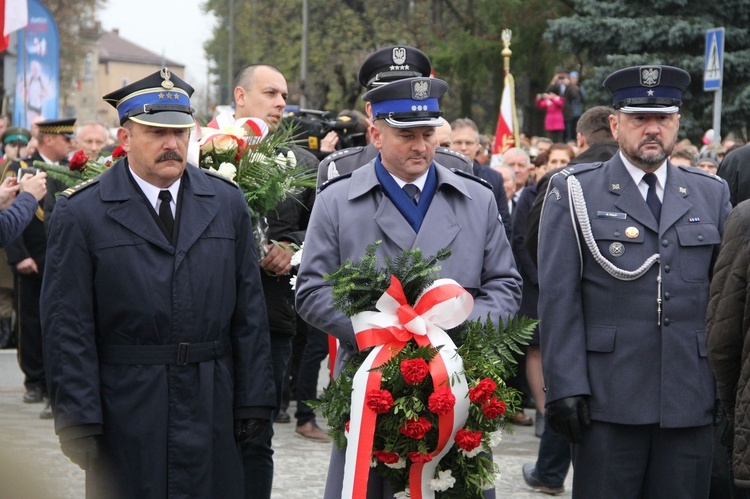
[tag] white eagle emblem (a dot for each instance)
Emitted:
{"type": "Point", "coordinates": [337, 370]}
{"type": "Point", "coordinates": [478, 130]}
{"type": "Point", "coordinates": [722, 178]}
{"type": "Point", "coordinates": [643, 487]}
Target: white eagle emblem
{"type": "Point", "coordinates": [650, 77]}
{"type": "Point", "coordinates": [399, 55]}
{"type": "Point", "coordinates": [420, 90]}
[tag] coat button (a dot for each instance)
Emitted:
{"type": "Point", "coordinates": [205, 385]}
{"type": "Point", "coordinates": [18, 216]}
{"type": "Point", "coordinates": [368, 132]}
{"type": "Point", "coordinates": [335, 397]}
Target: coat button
{"type": "Point", "coordinates": [667, 268]}
{"type": "Point", "coordinates": [667, 296]}
{"type": "Point", "coordinates": [700, 238]}
{"type": "Point", "coordinates": [666, 321]}
{"type": "Point", "coordinates": [665, 242]}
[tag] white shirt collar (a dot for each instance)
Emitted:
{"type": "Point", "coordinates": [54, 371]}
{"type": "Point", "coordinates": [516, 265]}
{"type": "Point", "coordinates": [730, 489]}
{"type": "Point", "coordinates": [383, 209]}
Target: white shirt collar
{"type": "Point", "coordinates": [152, 192]}
{"type": "Point", "coordinates": [419, 182]}
{"type": "Point", "coordinates": [47, 160]}
{"type": "Point", "coordinates": [637, 176]}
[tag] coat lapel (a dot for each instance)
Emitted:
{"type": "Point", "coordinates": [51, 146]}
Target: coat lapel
{"type": "Point", "coordinates": [440, 214]}
{"type": "Point", "coordinates": [675, 203]}
{"type": "Point", "coordinates": [131, 209]}
{"type": "Point", "coordinates": [199, 207]}
{"type": "Point", "coordinates": [630, 199]}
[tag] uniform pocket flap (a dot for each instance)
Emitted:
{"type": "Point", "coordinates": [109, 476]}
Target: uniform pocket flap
{"type": "Point", "coordinates": [600, 338]}
{"type": "Point", "coordinates": [606, 229]}
{"type": "Point", "coordinates": [698, 234]}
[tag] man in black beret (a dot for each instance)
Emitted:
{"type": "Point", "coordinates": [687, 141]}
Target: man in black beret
{"type": "Point", "coordinates": [626, 250]}
{"type": "Point", "coordinates": [156, 339]}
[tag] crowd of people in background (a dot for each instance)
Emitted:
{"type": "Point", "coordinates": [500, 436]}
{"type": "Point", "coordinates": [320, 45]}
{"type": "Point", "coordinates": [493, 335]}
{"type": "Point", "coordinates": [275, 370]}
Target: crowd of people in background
{"type": "Point", "coordinates": [575, 132]}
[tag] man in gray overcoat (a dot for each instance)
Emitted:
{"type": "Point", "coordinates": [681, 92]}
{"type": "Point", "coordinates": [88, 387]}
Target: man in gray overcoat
{"type": "Point", "coordinates": [406, 200]}
{"type": "Point", "coordinates": [626, 249]}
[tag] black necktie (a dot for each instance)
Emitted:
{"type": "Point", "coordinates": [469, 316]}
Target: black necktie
{"type": "Point", "coordinates": [412, 191]}
{"type": "Point", "coordinates": [165, 211]}
{"type": "Point", "coordinates": [652, 199]}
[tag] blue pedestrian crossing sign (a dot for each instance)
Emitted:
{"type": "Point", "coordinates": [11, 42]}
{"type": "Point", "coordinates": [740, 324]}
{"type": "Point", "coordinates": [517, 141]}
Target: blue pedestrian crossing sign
{"type": "Point", "coordinates": [714, 65]}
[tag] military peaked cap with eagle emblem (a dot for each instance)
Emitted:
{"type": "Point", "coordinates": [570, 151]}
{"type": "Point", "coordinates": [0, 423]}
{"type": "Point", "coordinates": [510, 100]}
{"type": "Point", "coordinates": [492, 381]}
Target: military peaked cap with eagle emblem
{"type": "Point", "coordinates": [408, 103]}
{"type": "Point", "coordinates": [161, 99]}
{"type": "Point", "coordinates": [647, 89]}
{"type": "Point", "coordinates": [393, 63]}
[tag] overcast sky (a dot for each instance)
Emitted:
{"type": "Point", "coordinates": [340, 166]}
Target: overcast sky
{"type": "Point", "coordinates": [176, 29]}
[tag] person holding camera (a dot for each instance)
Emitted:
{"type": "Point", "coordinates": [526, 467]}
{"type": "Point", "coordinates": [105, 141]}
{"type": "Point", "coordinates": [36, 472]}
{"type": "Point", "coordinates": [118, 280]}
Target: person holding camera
{"type": "Point", "coordinates": [26, 255]}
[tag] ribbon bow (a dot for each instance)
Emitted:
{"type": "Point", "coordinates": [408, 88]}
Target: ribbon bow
{"type": "Point", "coordinates": [443, 305]}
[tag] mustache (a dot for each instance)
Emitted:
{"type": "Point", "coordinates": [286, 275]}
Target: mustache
{"type": "Point", "coordinates": [170, 156]}
{"type": "Point", "coordinates": [651, 138]}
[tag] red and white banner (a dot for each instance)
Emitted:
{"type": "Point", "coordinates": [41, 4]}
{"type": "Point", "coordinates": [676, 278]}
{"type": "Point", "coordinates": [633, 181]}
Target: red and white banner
{"type": "Point", "coordinates": [506, 133]}
{"type": "Point", "coordinates": [14, 15]}
{"type": "Point", "coordinates": [443, 305]}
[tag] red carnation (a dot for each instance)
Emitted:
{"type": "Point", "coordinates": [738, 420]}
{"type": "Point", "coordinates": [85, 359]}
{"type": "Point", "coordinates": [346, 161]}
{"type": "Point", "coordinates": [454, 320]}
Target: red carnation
{"type": "Point", "coordinates": [441, 401]}
{"type": "Point", "coordinates": [119, 152]}
{"type": "Point", "coordinates": [78, 161]}
{"type": "Point", "coordinates": [494, 408]}
{"type": "Point", "coordinates": [468, 440]}
{"type": "Point", "coordinates": [385, 457]}
{"type": "Point", "coordinates": [418, 457]}
{"type": "Point", "coordinates": [414, 371]}
{"type": "Point", "coordinates": [416, 429]}
{"type": "Point", "coordinates": [379, 401]}
{"type": "Point", "coordinates": [483, 391]}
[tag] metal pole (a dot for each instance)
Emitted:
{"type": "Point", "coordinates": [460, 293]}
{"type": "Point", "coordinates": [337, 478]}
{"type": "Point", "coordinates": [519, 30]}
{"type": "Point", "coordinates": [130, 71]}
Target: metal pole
{"type": "Point", "coordinates": [303, 63]}
{"type": "Point", "coordinates": [717, 117]}
{"type": "Point", "coordinates": [230, 55]}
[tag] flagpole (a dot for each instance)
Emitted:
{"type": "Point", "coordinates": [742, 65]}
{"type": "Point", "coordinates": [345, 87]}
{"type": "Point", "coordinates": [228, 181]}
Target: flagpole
{"type": "Point", "coordinates": [506, 53]}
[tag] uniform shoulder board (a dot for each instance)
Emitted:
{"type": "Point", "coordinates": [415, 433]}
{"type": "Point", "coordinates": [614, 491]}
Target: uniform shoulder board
{"type": "Point", "coordinates": [220, 177]}
{"type": "Point", "coordinates": [451, 152]}
{"type": "Point", "coordinates": [341, 153]}
{"type": "Point", "coordinates": [333, 181]}
{"type": "Point", "coordinates": [581, 168]}
{"type": "Point", "coordinates": [698, 171]}
{"type": "Point", "coordinates": [72, 191]}
{"type": "Point", "coordinates": [464, 174]}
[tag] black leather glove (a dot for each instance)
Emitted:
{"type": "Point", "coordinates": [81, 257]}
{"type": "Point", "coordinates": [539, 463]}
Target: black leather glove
{"type": "Point", "coordinates": [249, 428]}
{"type": "Point", "coordinates": [82, 451]}
{"type": "Point", "coordinates": [568, 417]}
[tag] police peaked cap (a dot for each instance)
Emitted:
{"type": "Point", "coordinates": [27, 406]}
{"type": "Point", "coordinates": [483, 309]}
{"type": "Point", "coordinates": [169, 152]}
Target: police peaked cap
{"type": "Point", "coordinates": [161, 99]}
{"type": "Point", "coordinates": [408, 103]}
{"type": "Point", "coordinates": [393, 63]}
{"type": "Point", "coordinates": [647, 89]}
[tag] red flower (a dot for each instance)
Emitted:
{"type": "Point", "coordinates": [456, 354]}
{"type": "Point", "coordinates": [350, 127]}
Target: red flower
{"type": "Point", "coordinates": [418, 457]}
{"type": "Point", "coordinates": [494, 408]}
{"type": "Point", "coordinates": [483, 391]}
{"type": "Point", "coordinates": [78, 161]}
{"type": "Point", "coordinates": [441, 401]}
{"type": "Point", "coordinates": [346, 426]}
{"type": "Point", "coordinates": [468, 440]}
{"type": "Point", "coordinates": [385, 457]}
{"type": "Point", "coordinates": [379, 401]}
{"type": "Point", "coordinates": [414, 371]}
{"type": "Point", "coordinates": [119, 152]}
{"type": "Point", "coordinates": [416, 429]}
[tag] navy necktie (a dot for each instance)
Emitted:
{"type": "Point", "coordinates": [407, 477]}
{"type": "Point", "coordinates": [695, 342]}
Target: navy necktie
{"type": "Point", "coordinates": [412, 191]}
{"type": "Point", "coordinates": [652, 199]}
{"type": "Point", "coordinates": [165, 211]}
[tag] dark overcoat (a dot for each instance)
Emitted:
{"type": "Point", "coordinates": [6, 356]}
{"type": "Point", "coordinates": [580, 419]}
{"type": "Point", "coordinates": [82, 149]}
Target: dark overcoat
{"type": "Point", "coordinates": [157, 347]}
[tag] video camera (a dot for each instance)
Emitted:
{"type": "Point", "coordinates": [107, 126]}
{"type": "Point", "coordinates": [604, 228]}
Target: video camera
{"type": "Point", "coordinates": [311, 126]}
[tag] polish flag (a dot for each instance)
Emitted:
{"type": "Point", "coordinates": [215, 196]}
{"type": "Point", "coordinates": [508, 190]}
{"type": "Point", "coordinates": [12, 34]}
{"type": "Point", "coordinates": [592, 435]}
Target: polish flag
{"type": "Point", "coordinates": [506, 133]}
{"type": "Point", "coordinates": [14, 15]}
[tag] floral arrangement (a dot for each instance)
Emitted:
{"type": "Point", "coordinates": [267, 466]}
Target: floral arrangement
{"type": "Point", "coordinates": [81, 168]}
{"type": "Point", "coordinates": [425, 405]}
{"type": "Point", "coordinates": [260, 162]}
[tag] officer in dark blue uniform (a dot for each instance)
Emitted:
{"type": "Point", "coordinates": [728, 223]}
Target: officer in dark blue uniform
{"type": "Point", "coordinates": [155, 332]}
{"type": "Point", "coordinates": [380, 68]}
{"type": "Point", "coordinates": [626, 249]}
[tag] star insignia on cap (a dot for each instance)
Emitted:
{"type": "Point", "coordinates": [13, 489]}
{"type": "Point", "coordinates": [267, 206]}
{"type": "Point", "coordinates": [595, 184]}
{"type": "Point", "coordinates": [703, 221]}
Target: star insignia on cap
{"type": "Point", "coordinates": [650, 93]}
{"type": "Point", "coordinates": [169, 96]}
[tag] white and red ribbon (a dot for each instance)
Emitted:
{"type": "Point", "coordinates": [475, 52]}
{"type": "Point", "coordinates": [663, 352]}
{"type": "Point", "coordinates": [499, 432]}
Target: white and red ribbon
{"type": "Point", "coordinates": [443, 305]}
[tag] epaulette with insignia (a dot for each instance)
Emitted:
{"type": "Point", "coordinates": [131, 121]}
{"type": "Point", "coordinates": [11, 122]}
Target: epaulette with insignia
{"type": "Point", "coordinates": [220, 176]}
{"type": "Point", "coordinates": [450, 152]}
{"type": "Point", "coordinates": [71, 191]}
{"type": "Point", "coordinates": [580, 168]}
{"type": "Point", "coordinates": [336, 155]}
{"type": "Point", "coordinates": [464, 174]}
{"type": "Point", "coordinates": [333, 181]}
{"type": "Point", "coordinates": [696, 170]}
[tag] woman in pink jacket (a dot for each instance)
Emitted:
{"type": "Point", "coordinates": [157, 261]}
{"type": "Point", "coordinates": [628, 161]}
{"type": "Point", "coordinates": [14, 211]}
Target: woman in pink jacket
{"type": "Point", "coordinates": [554, 122]}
